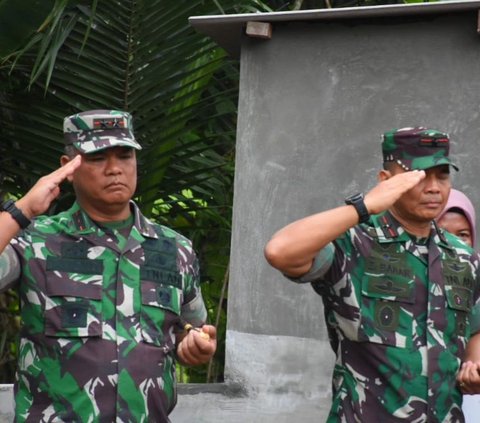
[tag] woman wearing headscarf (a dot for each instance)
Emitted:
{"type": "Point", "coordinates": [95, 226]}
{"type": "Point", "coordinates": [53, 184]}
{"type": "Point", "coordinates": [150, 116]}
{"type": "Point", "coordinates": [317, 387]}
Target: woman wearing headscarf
{"type": "Point", "coordinates": [458, 217]}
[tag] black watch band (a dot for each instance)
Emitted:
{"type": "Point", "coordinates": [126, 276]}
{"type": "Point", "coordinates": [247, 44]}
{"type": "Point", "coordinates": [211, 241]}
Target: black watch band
{"type": "Point", "coordinates": [10, 207]}
{"type": "Point", "coordinates": [356, 201]}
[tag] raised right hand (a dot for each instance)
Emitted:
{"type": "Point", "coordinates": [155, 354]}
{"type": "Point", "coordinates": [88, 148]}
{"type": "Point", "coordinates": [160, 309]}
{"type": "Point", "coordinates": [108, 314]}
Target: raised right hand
{"type": "Point", "coordinates": [38, 199]}
{"type": "Point", "coordinates": [388, 191]}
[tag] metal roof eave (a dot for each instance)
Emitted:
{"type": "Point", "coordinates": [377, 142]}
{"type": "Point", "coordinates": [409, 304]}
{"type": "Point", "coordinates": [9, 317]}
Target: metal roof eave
{"type": "Point", "coordinates": [226, 30]}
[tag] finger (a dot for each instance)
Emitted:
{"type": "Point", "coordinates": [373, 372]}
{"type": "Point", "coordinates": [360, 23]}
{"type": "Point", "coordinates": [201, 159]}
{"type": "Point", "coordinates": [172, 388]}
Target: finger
{"type": "Point", "coordinates": [463, 370]}
{"type": "Point", "coordinates": [408, 179]}
{"type": "Point", "coordinates": [201, 348]}
{"type": "Point", "coordinates": [198, 344]}
{"type": "Point", "coordinates": [192, 342]}
{"type": "Point", "coordinates": [59, 175]}
{"type": "Point", "coordinates": [184, 353]}
{"type": "Point", "coordinates": [470, 372]}
{"type": "Point", "coordinates": [466, 372]}
{"type": "Point", "coordinates": [54, 192]}
{"type": "Point", "coordinates": [210, 330]}
{"type": "Point", "coordinates": [66, 170]}
{"type": "Point", "coordinates": [189, 354]}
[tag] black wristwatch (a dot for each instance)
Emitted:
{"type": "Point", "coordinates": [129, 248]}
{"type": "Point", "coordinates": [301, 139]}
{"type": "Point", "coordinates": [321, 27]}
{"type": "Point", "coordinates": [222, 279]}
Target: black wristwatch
{"type": "Point", "coordinates": [356, 201]}
{"type": "Point", "coordinates": [10, 207]}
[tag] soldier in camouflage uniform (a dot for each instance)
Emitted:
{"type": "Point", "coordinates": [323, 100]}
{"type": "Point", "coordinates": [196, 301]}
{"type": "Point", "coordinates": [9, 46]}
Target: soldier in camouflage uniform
{"type": "Point", "coordinates": [105, 293]}
{"type": "Point", "coordinates": [398, 291]}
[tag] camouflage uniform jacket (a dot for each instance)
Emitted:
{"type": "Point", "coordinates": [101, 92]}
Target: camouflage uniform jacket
{"type": "Point", "coordinates": [98, 342]}
{"type": "Point", "coordinates": [399, 319]}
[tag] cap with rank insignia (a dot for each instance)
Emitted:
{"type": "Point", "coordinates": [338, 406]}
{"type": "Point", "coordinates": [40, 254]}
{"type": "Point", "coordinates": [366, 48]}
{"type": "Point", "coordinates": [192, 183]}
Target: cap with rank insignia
{"type": "Point", "coordinates": [96, 130]}
{"type": "Point", "coordinates": [416, 148]}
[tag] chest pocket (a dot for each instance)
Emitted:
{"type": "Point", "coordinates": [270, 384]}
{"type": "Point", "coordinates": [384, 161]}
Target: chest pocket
{"type": "Point", "coordinates": [74, 293]}
{"type": "Point", "coordinates": [459, 292]}
{"type": "Point", "coordinates": [387, 298]}
{"type": "Point", "coordinates": [161, 291]}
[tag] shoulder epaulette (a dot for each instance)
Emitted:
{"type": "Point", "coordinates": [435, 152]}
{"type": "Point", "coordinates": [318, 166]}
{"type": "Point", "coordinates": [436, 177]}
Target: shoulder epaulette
{"type": "Point", "coordinates": [388, 226]}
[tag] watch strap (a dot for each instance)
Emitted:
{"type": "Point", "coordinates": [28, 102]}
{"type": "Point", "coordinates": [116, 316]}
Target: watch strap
{"type": "Point", "coordinates": [357, 202]}
{"type": "Point", "coordinates": [10, 207]}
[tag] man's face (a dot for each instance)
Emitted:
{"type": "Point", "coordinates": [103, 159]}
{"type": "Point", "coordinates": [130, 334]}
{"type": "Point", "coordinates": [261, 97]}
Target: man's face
{"type": "Point", "coordinates": [106, 180]}
{"type": "Point", "coordinates": [426, 200]}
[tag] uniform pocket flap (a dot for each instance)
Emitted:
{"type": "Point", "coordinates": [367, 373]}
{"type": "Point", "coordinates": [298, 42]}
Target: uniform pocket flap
{"type": "Point", "coordinates": [75, 265]}
{"type": "Point", "coordinates": [73, 319]}
{"type": "Point", "coordinates": [162, 296]}
{"type": "Point", "coordinates": [74, 285]}
{"type": "Point", "coordinates": [392, 288]}
{"type": "Point", "coordinates": [459, 298]}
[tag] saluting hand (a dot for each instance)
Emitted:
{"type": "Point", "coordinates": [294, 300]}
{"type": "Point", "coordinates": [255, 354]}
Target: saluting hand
{"type": "Point", "coordinates": [388, 191]}
{"type": "Point", "coordinates": [38, 199]}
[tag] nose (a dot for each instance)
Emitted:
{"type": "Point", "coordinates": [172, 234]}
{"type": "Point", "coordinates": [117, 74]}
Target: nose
{"type": "Point", "coordinates": [432, 184]}
{"type": "Point", "coordinates": [113, 165]}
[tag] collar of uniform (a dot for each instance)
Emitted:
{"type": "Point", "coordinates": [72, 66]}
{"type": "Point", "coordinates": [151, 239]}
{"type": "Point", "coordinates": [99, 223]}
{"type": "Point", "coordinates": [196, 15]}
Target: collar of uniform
{"type": "Point", "coordinates": [440, 238]}
{"type": "Point", "coordinates": [142, 224]}
{"type": "Point", "coordinates": [388, 229]}
{"type": "Point", "coordinates": [81, 223]}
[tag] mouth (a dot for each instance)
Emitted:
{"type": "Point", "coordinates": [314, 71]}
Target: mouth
{"type": "Point", "coordinates": [433, 204]}
{"type": "Point", "coordinates": [115, 185]}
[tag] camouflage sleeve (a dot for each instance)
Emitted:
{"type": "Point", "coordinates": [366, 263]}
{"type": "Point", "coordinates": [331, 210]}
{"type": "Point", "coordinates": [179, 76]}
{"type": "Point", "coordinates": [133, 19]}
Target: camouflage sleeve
{"type": "Point", "coordinates": [9, 268]}
{"type": "Point", "coordinates": [195, 312]}
{"type": "Point", "coordinates": [193, 307]}
{"type": "Point", "coordinates": [321, 264]}
{"type": "Point", "coordinates": [343, 248]}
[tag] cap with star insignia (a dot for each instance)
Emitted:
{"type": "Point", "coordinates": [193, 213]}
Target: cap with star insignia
{"type": "Point", "coordinates": [96, 130]}
{"type": "Point", "coordinates": [416, 148]}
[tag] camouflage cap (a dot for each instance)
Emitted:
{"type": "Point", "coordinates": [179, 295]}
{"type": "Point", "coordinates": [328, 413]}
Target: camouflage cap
{"type": "Point", "coordinates": [416, 148]}
{"type": "Point", "coordinates": [96, 130]}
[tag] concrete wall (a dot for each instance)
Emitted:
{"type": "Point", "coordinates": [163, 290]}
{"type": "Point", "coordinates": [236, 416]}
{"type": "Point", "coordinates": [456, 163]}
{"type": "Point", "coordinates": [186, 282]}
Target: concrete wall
{"type": "Point", "coordinates": [313, 103]}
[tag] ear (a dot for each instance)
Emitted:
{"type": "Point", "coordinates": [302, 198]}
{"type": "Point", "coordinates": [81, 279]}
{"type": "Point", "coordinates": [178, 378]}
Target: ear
{"type": "Point", "coordinates": [64, 160]}
{"type": "Point", "coordinates": [383, 175]}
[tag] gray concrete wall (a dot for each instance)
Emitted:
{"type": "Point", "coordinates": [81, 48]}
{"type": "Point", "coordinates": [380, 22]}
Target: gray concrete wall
{"type": "Point", "coordinates": [313, 103]}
